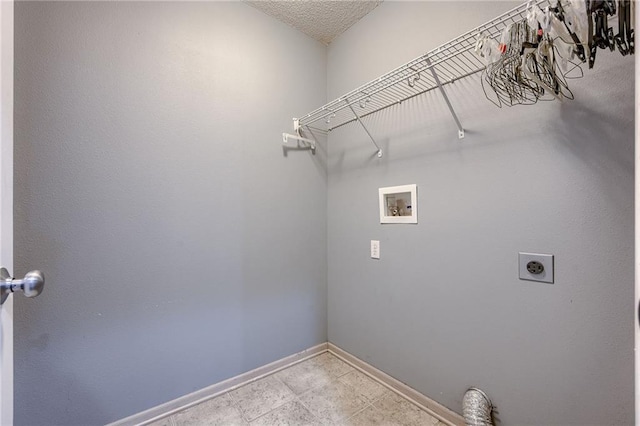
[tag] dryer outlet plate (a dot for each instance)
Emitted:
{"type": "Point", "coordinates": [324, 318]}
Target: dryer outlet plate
{"type": "Point", "coordinates": [532, 273]}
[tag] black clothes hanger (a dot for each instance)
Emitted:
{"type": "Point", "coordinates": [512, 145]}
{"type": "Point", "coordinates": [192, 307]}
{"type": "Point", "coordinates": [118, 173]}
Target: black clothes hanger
{"type": "Point", "coordinates": [621, 37]}
{"type": "Point", "coordinates": [624, 38]}
{"type": "Point", "coordinates": [558, 11]}
{"type": "Point", "coordinates": [598, 11]}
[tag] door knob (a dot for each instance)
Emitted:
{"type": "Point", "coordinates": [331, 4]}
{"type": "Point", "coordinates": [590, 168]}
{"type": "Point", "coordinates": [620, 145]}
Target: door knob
{"type": "Point", "coordinates": [32, 284]}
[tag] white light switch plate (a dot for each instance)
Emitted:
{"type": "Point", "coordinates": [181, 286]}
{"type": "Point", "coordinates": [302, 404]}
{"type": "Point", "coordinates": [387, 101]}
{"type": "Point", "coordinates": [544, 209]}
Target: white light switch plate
{"type": "Point", "coordinates": [546, 276]}
{"type": "Point", "coordinates": [375, 249]}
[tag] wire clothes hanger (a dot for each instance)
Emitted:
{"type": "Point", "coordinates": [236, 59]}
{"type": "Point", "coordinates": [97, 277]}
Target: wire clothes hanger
{"type": "Point", "coordinates": [537, 55]}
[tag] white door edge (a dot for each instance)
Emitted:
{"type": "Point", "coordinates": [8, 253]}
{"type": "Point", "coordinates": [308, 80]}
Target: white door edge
{"type": "Point", "coordinates": [636, 314]}
{"type": "Point", "coordinates": [6, 206]}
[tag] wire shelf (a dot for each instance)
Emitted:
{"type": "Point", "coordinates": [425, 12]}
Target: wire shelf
{"type": "Point", "coordinates": [443, 65]}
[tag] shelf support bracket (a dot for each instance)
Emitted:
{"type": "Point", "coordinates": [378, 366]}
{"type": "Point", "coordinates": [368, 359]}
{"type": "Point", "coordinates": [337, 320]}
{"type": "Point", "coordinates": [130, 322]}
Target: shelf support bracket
{"type": "Point", "coordinates": [446, 98]}
{"type": "Point", "coordinates": [365, 129]}
{"type": "Point", "coordinates": [310, 142]}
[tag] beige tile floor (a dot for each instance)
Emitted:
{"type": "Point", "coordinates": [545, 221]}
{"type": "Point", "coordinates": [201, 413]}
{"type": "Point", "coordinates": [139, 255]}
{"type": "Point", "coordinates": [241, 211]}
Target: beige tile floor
{"type": "Point", "coordinates": [322, 390]}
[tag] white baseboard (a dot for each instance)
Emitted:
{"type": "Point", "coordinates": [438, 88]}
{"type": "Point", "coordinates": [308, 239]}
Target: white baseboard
{"type": "Point", "coordinates": [430, 406]}
{"type": "Point", "coordinates": [168, 408]}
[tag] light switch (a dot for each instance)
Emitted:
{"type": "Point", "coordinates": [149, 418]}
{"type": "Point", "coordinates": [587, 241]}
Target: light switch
{"type": "Point", "coordinates": [375, 249]}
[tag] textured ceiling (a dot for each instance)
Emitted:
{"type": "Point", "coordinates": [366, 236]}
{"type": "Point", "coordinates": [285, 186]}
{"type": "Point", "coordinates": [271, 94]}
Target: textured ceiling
{"type": "Point", "coordinates": [323, 20]}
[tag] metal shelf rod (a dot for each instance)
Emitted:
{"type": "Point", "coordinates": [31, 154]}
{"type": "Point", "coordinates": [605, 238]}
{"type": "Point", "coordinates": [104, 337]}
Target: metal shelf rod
{"type": "Point", "coordinates": [446, 99]}
{"type": "Point", "coordinates": [366, 130]}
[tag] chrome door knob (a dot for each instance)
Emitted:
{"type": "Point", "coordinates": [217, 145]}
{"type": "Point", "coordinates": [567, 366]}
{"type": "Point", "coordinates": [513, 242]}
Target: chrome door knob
{"type": "Point", "coordinates": [32, 284]}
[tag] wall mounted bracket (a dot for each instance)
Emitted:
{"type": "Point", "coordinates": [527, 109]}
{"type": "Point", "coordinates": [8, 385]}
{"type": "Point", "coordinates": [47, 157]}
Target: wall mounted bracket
{"type": "Point", "coordinates": [310, 142]}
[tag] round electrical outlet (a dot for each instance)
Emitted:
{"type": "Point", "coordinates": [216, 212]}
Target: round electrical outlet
{"type": "Point", "coordinates": [534, 267]}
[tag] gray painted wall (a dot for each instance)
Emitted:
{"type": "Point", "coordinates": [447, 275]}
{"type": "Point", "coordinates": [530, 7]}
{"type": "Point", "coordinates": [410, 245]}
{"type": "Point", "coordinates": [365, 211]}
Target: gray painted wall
{"type": "Point", "coordinates": [443, 308]}
{"type": "Point", "coordinates": [181, 246]}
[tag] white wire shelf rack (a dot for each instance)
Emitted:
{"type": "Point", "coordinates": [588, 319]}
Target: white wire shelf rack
{"type": "Point", "coordinates": [435, 69]}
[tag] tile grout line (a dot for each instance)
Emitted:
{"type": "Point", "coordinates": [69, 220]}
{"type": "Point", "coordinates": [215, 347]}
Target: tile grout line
{"type": "Point", "coordinates": [303, 404]}
{"type": "Point", "coordinates": [321, 348]}
{"type": "Point", "coordinates": [338, 378]}
{"type": "Point", "coordinates": [367, 405]}
{"type": "Point", "coordinates": [397, 392]}
{"type": "Point", "coordinates": [282, 381]}
{"type": "Point", "coordinates": [335, 380]}
{"type": "Point", "coordinates": [273, 408]}
{"type": "Point", "coordinates": [370, 401]}
{"type": "Point", "coordinates": [315, 417]}
{"type": "Point", "coordinates": [236, 404]}
{"type": "Point", "coordinates": [229, 390]}
{"type": "Point", "coordinates": [255, 379]}
{"type": "Point", "coordinates": [295, 399]}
